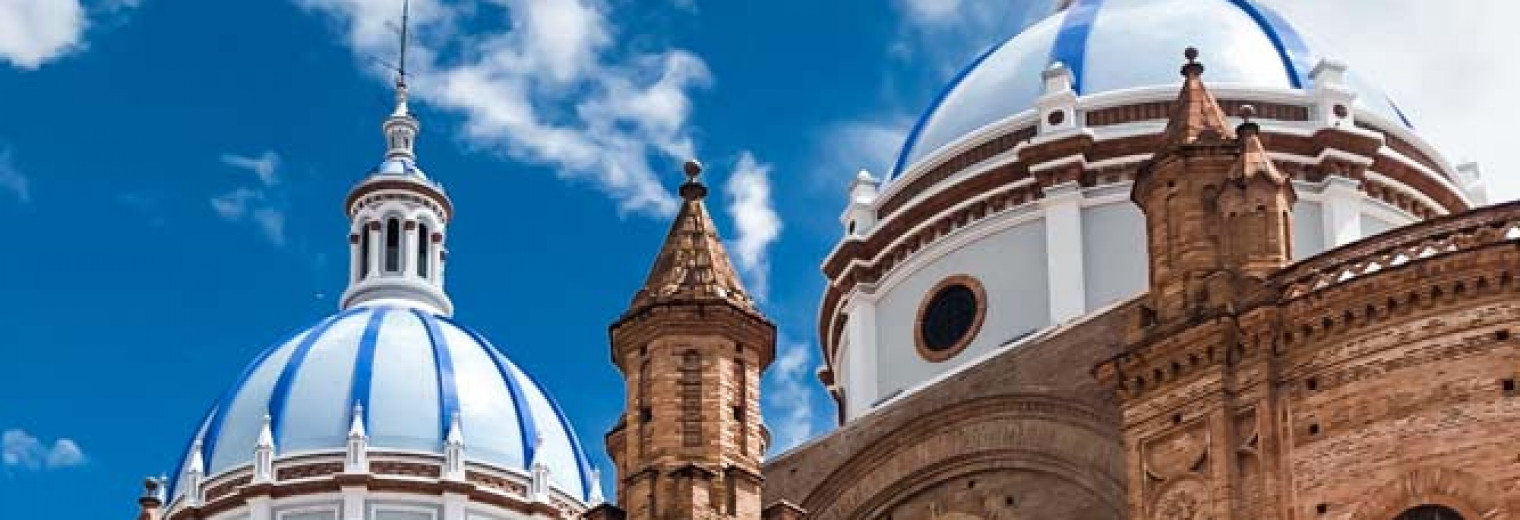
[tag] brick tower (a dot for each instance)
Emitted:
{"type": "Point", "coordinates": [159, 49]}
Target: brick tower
{"type": "Point", "coordinates": [691, 347]}
{"type": "Point", "coordinates": [1218, 213]}
{"type": "Point", "coordinates": [1199, 429]}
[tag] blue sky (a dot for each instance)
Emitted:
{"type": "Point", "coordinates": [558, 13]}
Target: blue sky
{"type": "Point", "coordinates": [173, 171]}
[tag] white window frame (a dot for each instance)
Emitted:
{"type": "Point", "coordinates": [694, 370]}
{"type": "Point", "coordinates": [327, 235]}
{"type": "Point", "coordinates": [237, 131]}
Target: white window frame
{"type": "Point", "coordinates": [327, 508]}
{"type": "Point", "coordinates": [375, 508]}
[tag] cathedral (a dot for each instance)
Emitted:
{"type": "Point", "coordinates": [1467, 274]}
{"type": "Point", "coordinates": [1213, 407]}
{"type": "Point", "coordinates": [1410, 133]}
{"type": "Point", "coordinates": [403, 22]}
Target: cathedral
{"type": "Point", "coordinates": [1091, 286]}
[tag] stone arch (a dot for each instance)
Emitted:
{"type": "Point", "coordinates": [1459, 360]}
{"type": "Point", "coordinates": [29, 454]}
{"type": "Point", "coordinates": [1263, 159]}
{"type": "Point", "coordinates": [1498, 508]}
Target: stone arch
{"type": "Point", "coordinates": [1032, 432]}
{"type": "Point", "coordinates": [1461, 491]}
{"type": "Point", "coordinates": [1026, 461]}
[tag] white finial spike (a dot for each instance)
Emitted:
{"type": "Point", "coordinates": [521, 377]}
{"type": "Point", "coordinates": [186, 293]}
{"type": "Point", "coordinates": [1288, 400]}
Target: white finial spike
{"type": "Point", "coordinates": [596, 487]}
{"type": "Point", "coordinates": [538, 487]}
{"type": "Point", "coordinates": [266, 435]}
{"type": "Point", "coordinates": [263, 455]}
{"type": "Point", "coordinates": [197, 463]}
{"type": "Point", "coordinates": [195, 474]}
{"type": "Point", "coordinates": [455, 435]}
{"type": "Point", "coordinates": [453, 451]}
{"type": "Point", "coordinates": [356, 456]}
{"type": "Point", "coordinates": [356, 423]}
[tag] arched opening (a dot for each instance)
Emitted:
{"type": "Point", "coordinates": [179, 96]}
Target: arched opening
{"type": "Point", "coordinates": [392, 245]}
{"type": "Point", "coordinates": [1429, 512]}
{"type": "Point", "coordinates": [424, 249]}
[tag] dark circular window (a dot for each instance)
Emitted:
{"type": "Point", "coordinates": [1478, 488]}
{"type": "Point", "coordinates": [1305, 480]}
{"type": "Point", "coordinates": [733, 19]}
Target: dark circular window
{"type": "Point", "coordinates": [1429, 512]}
{"type": "Point", "coordinates": [949, 318]}
{"type": "Point", "coordinates": [1056, 117]}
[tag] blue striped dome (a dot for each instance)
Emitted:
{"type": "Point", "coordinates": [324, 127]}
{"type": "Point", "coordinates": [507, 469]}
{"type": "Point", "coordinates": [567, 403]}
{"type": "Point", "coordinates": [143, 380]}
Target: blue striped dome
{"type": "Point", "coordinates": [1112, 45]}
{"type": "Point", "coordinates": [411, 371]}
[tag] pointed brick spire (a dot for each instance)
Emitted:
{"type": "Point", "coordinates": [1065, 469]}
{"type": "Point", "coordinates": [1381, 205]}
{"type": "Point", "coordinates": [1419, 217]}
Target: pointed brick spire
{"type": "Point", "coordinates": [1196, 116]}
{"type": "Point", "coordinates": [691, 264]}
{"type": "Point", "coordinates": [1253, 160]}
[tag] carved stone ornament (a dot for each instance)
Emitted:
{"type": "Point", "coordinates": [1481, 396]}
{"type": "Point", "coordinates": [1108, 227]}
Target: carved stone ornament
{"type": "Point", "coordinates": [1176, 454]}
{"type": "Point", "coordinates": [1185, 500]}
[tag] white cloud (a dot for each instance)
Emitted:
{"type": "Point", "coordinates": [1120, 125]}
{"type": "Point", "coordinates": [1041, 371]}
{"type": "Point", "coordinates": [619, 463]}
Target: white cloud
{"type": "Point", "coordinates": [12, 180]}
{"type": "Point", "coordinates": [20, 450]}
{"type": "Point", "coordinates": [255, 204]}
{"type": "Point", "coordinates": [788, 392]}
{"type": "Point", "coordinates": [545, 81]}
{"type": "Point", "coordinates": [748, 194]}
{"type": "Point", "coordinates": [33, 32]}
{"type": "Point", "coordinates": [1450, 72]}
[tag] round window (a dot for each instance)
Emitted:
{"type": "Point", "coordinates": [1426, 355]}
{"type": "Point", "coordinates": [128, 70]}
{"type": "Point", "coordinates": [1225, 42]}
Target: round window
{"type": "Point", "coordinates": [949, 318]}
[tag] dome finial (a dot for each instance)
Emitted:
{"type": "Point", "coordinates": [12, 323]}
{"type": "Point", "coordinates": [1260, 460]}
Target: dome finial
{"type": "Point", "coordinates": [1193, 67]}
{"type": "Point", "coordinates": [693, 189]}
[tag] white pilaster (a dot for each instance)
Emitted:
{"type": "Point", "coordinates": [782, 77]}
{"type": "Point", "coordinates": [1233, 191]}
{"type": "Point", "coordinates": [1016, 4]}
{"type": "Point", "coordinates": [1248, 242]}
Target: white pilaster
{"type": "Point", "coordinates": [259, 508]}
{"type": "Point", "coordinates": [1063, 250]}
{"type": "Point", "coordinates": [453, 506]}
{"type": "Point", "coordinates": [353, 256]}
{"type": "Point", "coordinates": [409, 247]}
{"type": "Point", "coordinates": [353, 502]}
{"type": "Point", "coordinates": [859, 356]}
{"type": "Point", "coordinates": [1342, 211]}
{"type": "Point", "coordinates": [374, 248]}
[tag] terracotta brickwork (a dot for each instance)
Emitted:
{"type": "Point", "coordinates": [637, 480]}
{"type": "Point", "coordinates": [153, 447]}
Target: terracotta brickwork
{"type": "Point", "coordinates": [1353, 386]}
{"type": "Point", "coordinates": [691, 348]}
{"type": "Point", "coordinates": [1029, 424]}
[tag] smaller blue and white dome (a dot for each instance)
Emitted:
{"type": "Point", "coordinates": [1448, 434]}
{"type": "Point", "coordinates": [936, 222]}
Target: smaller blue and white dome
{"type": "Point", "coordinates": [411, 371]}
{"type": "Point", "coordinates": [1117, 45]}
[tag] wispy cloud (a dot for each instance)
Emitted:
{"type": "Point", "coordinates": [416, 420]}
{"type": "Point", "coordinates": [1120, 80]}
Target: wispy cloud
{"type": "Point", "coordinates": [1448, 72]}
{"type": "Point", "coordinates": [11, 179]}
{"type": "Point", "coordinates": [788, 395]}
{"type": "Point", "coordinates": [870, 144]}
{"type": "Point", "coordinates": [547, 82]}
{"type": "Point", "coordinates": [21, 450]}
{"type": "Point", "coordinates": [748, 195]}
{"type": "Point", "coordinates": [254, 203]}
{"type": "Point", "coordinates": [949, 33]}
{"type": "Point", "coordinates": [33, 32]}
{"type": "Point", "coordinates": [264, 165]}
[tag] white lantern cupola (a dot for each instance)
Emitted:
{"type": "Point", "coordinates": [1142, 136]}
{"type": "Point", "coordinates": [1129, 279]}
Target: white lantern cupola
{"type": "Point", "coordinates": [398, 218]}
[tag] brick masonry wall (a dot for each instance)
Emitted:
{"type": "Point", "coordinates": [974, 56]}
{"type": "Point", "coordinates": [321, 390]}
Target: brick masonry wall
{"type": "Point", "coordinates": [1026, 434]}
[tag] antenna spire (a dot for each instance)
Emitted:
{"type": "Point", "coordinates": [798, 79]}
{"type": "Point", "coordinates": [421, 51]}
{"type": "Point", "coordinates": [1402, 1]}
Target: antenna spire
{"type": "Point", "coordinates": [405, 33]}
{"type": "Point", "coordinates": [405, 28]}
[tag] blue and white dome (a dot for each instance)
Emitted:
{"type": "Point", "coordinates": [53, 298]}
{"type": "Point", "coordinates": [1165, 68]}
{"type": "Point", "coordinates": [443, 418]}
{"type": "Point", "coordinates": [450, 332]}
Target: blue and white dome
{"type": "Point", "coordinates": [1115, 45]}
{"type": "Point", "coordinates": [411, 371]}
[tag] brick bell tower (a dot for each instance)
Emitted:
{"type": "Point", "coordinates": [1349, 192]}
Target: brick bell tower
{"type": "Point", "coordinates": [691, 346]}
{"type": "Point", "coordinates": [1200, 433]}
{"type": "Point", "coordinates": [1218, 214]}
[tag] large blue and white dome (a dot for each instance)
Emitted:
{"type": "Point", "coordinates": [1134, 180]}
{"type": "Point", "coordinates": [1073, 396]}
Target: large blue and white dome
{"type": "Point", "coordinates": [1118, 45]}
{"type": "Point", "coordinates": [411, 371]}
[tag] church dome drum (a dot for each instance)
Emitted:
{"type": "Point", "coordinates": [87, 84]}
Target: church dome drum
{"type": "Point", "coordinates": [1018, 175]}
